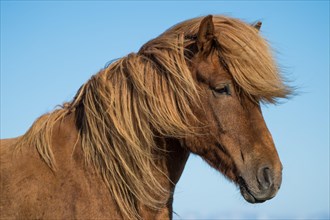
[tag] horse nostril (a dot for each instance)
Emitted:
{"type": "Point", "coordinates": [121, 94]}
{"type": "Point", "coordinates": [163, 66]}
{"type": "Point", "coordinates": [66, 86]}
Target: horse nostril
{"type": "Point", "coordinates": [265, 178]}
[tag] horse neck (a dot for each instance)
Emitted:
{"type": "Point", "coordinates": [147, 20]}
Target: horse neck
{"type": "Point", "coordinates": [171, 162]}
{"type": "Point", "coordinates": [176, 158]}
{"type": "Point", "coordinates": [65, 142]}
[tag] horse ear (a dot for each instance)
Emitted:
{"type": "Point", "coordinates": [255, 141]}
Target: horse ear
{"type": "Point", "coordinates": [257, 25]}
{"type": "Point", "coordinates": [205, 35]}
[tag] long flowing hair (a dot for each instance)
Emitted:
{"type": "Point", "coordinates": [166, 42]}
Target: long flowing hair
{"type": "Point", "coordinates": [122, 109]}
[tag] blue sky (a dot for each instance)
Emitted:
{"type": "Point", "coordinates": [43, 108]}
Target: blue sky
{"type": "Point", "coordinates": [48, 49]}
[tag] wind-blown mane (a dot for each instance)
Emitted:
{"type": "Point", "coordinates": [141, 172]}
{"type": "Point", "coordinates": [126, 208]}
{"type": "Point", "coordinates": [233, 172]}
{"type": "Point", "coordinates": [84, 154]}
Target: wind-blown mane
{"type": "Point", "coordinates": [247, 56]}
{"type": "Point", "coordinates": [122, 109]}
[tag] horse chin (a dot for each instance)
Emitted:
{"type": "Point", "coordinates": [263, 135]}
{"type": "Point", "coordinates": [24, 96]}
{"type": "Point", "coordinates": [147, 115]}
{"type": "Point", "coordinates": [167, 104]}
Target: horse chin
{"type": "Point", "coordinates": [250, 196]}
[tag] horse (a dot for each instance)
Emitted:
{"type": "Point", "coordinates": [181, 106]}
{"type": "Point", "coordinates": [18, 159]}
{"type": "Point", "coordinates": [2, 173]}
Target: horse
{"type": "Point", "coordinates": [118, 149]}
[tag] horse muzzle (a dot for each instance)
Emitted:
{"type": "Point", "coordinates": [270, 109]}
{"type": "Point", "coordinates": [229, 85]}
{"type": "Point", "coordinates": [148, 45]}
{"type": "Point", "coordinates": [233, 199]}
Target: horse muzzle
{"type": "Point", "coordinates": [260, 187]}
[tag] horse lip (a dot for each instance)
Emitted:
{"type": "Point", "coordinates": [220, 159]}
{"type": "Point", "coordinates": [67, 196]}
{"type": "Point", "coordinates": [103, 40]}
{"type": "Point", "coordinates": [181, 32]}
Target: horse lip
{"type": "Point", "coordinates": [247, 194]}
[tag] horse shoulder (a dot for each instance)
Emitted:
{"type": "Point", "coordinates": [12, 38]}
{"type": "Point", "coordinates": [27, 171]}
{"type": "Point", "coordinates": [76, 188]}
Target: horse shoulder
{"type": "Point", "coordinates": [30, 189]}
{"type": "Point", "coordinates": [21, 172]}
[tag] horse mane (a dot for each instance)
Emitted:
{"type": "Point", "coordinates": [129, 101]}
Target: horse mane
{"type": "Point", "coordinates": [247, 55]}
{"type": "Point", "coordinates": [121, 110]}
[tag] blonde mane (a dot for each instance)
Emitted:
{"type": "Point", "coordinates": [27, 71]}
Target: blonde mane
{"type": "Point", "coordinates": [121, 110]}
{"type": "Point", "coordinates": [247, 56]}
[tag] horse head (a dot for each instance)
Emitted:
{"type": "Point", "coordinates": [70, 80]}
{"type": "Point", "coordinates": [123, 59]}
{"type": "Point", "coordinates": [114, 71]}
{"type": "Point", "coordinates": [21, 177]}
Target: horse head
{"type": "Point", "coordinates": [234, 138]}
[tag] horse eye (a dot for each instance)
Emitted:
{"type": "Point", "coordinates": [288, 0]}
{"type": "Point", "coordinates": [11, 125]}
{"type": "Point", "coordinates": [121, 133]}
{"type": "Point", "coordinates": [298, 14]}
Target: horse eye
{"type": "Point", "coordinates": [223, 89]}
